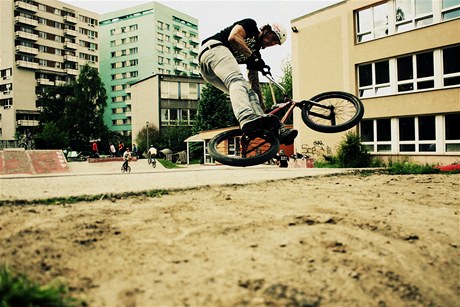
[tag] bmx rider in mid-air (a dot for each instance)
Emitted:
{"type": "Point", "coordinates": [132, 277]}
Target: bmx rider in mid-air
{"type": "Point", "coordinates": [219, 57]}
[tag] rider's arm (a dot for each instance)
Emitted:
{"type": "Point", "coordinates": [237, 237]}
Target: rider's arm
{"type": "Point", "coordinates": [236, 39]}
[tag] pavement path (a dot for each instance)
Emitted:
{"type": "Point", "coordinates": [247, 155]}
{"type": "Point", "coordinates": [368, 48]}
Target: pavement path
{"type": "Point", "coordinates": [106, 178]}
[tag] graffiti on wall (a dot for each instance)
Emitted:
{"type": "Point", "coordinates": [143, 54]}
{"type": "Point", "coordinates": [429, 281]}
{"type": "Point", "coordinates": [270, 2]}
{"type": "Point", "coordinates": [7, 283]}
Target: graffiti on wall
{"type": "Point", "coordinates": [318, 149]}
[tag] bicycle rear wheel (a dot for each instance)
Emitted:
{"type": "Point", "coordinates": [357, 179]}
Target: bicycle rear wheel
{"type": "Point", "coordinates": [237, 149]}
{"type": "Point", "coordinates": [332, 112]}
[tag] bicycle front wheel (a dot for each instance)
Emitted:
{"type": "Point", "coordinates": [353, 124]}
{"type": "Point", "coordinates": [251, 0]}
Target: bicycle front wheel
{"type": "Point", "coordinates": [154, 163]}
{"type": "Point", "coordinates": [237, 149]}
{"type": "Point", "coordinates": [332, 112]}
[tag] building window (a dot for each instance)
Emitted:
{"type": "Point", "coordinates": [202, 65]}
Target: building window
{"type": "Point", "coordinates": [420, 66]}
{"type": "Point", "coordinates": [374, 79]}
{"type": "Point", "coordinates": [452, 130]}
{"type": "Point", "coordinates": [372, 22]}
{"type": "Point", "coordinates": [396, 16]}
{"type": "Point", "coordinates": [428, 70]}
{"type": "Point", "coordinates": [422, 134]}
{"type": "Point", "coordinates": [451, 63]}
{"type": "Point", "coordinates": [411, 14]}
{"type": "Point", "coordinates": [450, 9]}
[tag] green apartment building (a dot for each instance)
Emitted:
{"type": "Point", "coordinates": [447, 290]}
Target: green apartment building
{"type": "Point", "coordinates": [138, 42]}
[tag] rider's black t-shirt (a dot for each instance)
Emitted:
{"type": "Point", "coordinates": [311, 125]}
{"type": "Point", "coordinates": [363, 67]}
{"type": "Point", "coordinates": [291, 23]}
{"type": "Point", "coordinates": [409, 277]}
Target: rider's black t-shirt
{"type": "Point", "coordinates": [251, 40]}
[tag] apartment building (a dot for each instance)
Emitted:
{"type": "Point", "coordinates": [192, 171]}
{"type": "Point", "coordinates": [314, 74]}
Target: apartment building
{"type": "Point", "coordinates": [42, 43]}
{"type": "Point", "coordinates": [138, 42]}
{"type": "Point", "coordinates": [163, 101]}
{"type": "Point", "coordinates": [402, 58]}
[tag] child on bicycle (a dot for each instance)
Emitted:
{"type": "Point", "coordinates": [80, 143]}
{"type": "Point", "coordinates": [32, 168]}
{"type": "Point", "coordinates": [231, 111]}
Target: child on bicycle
{"type": "Point", "coordinates": [219, 57]}
{"type": "Point", "coordinates": [126, 158]}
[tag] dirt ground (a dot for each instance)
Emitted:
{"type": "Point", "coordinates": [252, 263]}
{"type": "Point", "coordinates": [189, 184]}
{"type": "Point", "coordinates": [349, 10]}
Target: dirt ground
{"type": "Point", "coordinates": [341, 240]}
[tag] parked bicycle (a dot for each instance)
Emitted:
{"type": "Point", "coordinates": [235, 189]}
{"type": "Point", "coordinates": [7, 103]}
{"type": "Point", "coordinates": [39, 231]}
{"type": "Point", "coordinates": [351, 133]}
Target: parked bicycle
{"type": "Point", "coordinates": [329, 112]}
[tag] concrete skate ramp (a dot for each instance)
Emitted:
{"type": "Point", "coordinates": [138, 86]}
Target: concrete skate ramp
{"type": "Point", "coordinates": [20, 161]}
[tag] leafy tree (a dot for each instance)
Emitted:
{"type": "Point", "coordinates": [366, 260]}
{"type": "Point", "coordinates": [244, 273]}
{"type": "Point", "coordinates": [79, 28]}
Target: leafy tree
{"type": "Point", "coordinates": [214, 110]}
{"type": "Point", "coordinates": [286, 82]}
{"type": "Point", "coordinates": [76, 111]}
{"type": "Point", "coordinates": [154, 138]}
{"type": "Point", "coordinates": [85, 111]}
{"type": "Point", "coordinates": [351, 153]}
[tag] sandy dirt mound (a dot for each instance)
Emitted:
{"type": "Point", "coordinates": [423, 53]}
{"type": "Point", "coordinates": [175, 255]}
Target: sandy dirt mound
{"type": "Point", "coordinates": [349, 240]}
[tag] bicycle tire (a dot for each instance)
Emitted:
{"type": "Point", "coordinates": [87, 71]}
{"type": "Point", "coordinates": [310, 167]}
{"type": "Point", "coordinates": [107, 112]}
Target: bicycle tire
{"type": "Point", "coordinates": [23, 145]}
{"type": "Point", "coordinates": [126, 169]}
{"type": "Point", "coordinates": [261, 147]}
{"type": "Point", "coordinates": [154, 163]}
{"type": "Point", "coordinates": [348, 111]}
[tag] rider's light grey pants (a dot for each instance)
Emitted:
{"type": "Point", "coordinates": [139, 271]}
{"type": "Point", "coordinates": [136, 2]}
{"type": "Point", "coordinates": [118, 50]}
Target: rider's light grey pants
{"type": "Point", "coordinates": [220, 68]}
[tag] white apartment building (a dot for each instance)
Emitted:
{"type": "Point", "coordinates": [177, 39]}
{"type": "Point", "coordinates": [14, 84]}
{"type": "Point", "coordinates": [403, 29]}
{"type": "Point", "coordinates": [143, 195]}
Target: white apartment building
{"type": "Point", "coordinates": [42, 43]}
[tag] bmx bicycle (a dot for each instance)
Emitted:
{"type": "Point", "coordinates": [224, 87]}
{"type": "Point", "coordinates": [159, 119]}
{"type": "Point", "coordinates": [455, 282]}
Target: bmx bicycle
{"type": "Point", "coordinates": [153, 161]}
{"type": "Point", "coordinates": [329, 112]}
{"type": "Point", "coordinates": [125, 168]}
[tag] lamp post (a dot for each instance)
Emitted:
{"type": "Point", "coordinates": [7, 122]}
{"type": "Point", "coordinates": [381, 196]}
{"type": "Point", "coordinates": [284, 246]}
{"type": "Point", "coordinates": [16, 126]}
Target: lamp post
{"type": "Point", "coordinates": [147, 124]}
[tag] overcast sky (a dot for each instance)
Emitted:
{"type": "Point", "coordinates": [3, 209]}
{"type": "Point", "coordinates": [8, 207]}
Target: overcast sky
{"type": "Point", "coordinates": [215, 15]}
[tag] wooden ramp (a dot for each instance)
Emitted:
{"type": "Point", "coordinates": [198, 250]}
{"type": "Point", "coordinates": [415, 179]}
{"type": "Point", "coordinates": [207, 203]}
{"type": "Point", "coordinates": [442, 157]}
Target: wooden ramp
{"type": "Point", "coordinates": [20, 161]}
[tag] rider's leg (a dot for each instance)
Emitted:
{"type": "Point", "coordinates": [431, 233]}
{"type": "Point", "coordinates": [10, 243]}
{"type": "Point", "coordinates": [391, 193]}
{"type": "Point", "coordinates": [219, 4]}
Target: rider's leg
{"type": "Point", "coordinates": [220, 68]}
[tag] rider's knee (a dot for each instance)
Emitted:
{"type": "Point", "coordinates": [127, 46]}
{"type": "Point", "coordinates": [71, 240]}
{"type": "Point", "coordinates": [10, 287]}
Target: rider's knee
{"type": "Point", "coordinates": [235, 79]}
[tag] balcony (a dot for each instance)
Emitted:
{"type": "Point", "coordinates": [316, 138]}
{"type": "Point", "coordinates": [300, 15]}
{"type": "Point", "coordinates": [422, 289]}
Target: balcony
{"type": "Point", "coordinates": [43, 81]}
{"type": "Point", "coordinates": [180, 68]}
{"type": "Point", "coordinates": [6, 93]}
{"type": "Point", "coordinates": [27, 122]}
{"type": "Point", "coordinates": [26, 64]}
{"type": "Point", "coordinates": [194, 51]}
{"type": "Point", "coordinates": [60, 82]}
{"type": "Point", "coordinates": [194, 40]}
{"type": "Point", "coordinates": [70, 45]}
{"type": "Point", "coordinates": [179, 46]}
{"type": "Point", "coordinates": [71, 71]}
{"type": "Point", "coordinates": [26, 6]}
{"type": "Point", "coordinates": [25, 35]}
{"type": "Point", "coordinates": [27, 50]}
{"type": "Point", "coordinates": [70, 19]}
{"type": "Point", "coordinates": [194, 61]}
{"type": "Point", "coordinates": [178, 34]}
{"type": "Point", "coordinates": [70, 58]}
{"type": "Point", "coordinates": [179, 57]}
{"type": "Point", "coordinates": [70, 32]}
{"type": "Point", "coordinates": [26, 21]}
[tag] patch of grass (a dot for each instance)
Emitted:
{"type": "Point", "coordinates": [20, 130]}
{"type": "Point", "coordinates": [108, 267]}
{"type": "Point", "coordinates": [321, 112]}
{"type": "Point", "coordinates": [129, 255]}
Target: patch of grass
{"type": "Point", "coordinates": [169, 164]}
{"type": "Point", "coordinates": [403, 168]}
{"type": "Point", "coordinates": [83, 198]}
{"type": "Point", "coordinates": [19, 290]}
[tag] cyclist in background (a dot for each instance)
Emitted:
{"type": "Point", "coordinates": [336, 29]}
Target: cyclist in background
{"type": "Point", "coordinates": [219, 57]}
{"type": "Point", "coordinates": [152, 153]}
{"type": "Point", "coordinates": [126, 158]}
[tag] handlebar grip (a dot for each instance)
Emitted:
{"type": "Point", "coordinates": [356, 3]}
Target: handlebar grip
{"type": "Point", "coordinates": [266, 71]}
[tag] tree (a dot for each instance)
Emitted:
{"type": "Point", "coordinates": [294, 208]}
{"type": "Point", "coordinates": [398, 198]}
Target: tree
{"type": "Point", "coordinates": [85, 111]}
{"type": "Point", "coordinates": [286, 82]}
{"type": "Point", "coordinates": [76, 110]}
{"type": "Point", "coordinates": [214, 110]}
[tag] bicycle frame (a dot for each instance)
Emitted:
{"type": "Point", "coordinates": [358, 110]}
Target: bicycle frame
{"type": "Point", "coordinates": [292, 104]}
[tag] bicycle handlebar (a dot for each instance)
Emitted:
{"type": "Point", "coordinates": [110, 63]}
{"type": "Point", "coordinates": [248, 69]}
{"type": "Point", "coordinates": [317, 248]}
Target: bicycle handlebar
{"type": "Point", "coordinates": [267, 74]}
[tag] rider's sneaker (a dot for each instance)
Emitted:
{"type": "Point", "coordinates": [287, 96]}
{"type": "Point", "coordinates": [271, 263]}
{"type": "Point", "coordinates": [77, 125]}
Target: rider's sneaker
{"type": "Point", "coordinates": [263, 122]}
{"type": "Point", "coordinates": [287, 136]}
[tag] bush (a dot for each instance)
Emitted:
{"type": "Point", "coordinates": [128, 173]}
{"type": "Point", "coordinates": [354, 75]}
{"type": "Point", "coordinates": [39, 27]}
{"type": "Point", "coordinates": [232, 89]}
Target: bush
{"type": "Point", "coordinates": [403, 168]}
{"type": "Point", "coordinates": [19, 290]}
{"type": "Point", "coordinates": [350, 152]}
